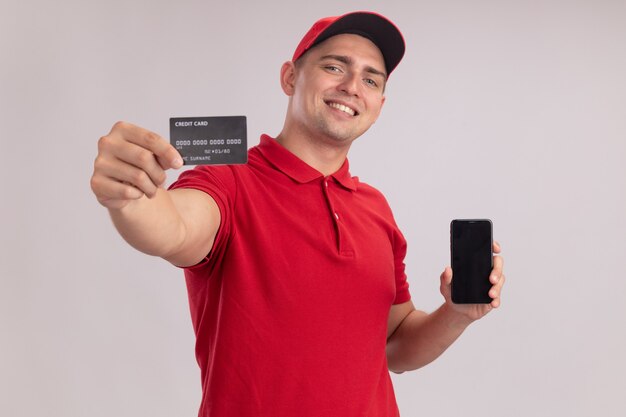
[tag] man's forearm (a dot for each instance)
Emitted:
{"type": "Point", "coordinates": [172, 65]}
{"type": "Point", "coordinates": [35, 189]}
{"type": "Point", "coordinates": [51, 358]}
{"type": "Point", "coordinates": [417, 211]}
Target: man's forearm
{"type": "Point", "coordinates": [422, 338]}
{"type": "Point", "coordinates": [152, 226]}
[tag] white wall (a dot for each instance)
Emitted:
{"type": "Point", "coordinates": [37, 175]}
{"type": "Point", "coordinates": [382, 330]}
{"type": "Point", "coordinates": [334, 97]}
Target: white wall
{"type": "Point", "coordinates": [510, 110]}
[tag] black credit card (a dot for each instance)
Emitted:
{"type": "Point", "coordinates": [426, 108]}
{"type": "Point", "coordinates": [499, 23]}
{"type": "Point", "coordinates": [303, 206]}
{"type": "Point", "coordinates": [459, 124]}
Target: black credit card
{"type": "Point", "coordinates": [220, 140]}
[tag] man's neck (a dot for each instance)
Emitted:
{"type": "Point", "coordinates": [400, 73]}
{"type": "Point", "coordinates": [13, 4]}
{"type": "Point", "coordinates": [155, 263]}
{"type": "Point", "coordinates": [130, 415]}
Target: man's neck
{"type": "Point", "coordinates": [322, 156]}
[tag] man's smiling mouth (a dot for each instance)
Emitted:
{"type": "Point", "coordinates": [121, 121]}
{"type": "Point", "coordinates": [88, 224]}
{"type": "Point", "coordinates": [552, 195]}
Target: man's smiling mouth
{"type": "Point", "coordinates": [343, 108]}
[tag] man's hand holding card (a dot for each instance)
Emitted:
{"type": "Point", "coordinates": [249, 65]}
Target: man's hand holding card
{"type": "Point", "coordinates": [132, 160]}
{"type": "Point", "coordinates": [131, 163]}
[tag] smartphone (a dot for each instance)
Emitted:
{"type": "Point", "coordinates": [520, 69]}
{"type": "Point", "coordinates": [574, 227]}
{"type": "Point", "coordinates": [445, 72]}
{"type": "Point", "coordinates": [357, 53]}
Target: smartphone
{"type": "Point", "coordinates": [471, 252]}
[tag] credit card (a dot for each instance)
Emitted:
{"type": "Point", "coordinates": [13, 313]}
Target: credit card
{"type": "Point", "coordinates": [219, 140]}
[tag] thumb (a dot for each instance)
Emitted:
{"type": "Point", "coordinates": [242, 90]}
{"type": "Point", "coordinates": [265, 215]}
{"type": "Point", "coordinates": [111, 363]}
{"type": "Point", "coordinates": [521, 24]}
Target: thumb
{"type": "Point", "coordinates": [446, 276]}
{"type": "Point", "coordinates": [446, 281]}
{"type": "Point", "coordinates": [170, 159]}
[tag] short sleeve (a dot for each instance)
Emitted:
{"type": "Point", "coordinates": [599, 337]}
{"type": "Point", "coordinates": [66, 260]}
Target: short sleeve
{"type": "Point", "coordinates": [399, 253]}
{"type": "Point", "coordinates": [219, 183]}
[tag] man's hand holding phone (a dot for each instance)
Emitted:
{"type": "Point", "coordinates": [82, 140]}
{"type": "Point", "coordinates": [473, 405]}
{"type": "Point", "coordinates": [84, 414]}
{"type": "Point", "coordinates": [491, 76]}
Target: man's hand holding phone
{"type": "Point", "coordinates": [496, 280]}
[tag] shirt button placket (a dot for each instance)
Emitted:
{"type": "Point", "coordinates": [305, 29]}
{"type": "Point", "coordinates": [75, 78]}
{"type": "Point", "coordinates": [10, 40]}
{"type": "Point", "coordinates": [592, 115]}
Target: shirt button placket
{"type": "Point", "coordinates": [333, 212]}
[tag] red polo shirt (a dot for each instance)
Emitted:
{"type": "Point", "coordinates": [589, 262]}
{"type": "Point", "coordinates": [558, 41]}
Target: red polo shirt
{"type": "Point", "coordinates": [290, 307]}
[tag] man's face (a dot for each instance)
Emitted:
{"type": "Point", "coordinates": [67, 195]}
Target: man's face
{"type": "Point", "coordinates": [338, 89]}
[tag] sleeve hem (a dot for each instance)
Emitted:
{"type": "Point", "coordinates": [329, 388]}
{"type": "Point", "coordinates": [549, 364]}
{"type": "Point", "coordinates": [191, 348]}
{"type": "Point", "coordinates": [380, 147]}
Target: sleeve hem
{"type": "Point", "coordinates": [402, 297]}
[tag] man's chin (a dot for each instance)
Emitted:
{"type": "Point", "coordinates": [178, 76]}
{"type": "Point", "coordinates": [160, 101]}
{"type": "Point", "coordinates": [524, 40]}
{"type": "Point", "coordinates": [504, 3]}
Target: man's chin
{"type": "Point", "coordinates": [345, 136]}
{"type": "Point", "coordinates": [337, 134]}
{"type": "Point", "coordinates": [340, 139]}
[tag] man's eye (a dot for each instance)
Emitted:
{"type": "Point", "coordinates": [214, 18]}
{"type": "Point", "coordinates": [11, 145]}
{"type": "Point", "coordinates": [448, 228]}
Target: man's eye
{"type": "Point", "coordinates": [332, 68]}
{"type": "Point", "coordinates": [371, 82]}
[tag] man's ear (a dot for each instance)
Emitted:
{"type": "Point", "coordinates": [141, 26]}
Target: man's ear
{"type": "Point", "coordinates": [288, 77]}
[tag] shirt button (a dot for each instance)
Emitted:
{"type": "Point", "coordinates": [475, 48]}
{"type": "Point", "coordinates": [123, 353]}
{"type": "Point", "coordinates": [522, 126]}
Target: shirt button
{"type": "Point", "coordinates": [336, 216]}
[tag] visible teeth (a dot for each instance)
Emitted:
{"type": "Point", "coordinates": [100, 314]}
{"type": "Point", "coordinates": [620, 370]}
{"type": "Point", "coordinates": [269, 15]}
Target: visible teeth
{"type": "Point", "coordinates": [341, 107]}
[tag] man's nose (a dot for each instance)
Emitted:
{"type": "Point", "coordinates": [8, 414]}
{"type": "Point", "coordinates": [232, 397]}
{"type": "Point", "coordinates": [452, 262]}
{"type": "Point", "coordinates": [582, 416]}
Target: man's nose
{"type": "Point", "coordinates": [350, 84]}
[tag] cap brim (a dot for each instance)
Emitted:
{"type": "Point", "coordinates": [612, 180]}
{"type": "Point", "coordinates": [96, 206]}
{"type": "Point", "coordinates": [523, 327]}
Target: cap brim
{"type": "Point", "coordinates": [384, 34]}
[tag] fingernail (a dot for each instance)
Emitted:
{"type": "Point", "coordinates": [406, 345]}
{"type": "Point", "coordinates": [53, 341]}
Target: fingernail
{"type": "Point", "coordinates": [177, 162]}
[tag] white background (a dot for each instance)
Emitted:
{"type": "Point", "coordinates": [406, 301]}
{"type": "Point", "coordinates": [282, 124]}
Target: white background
{"type": "Point", "coordinates": [512, 110]}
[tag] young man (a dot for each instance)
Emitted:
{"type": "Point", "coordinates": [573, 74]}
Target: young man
{"type": "Point", "coordinates": [295, 269]}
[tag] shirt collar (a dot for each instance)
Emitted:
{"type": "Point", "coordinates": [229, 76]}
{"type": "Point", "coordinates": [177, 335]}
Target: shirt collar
{"type": "Point", "coordinates": [299, 170]}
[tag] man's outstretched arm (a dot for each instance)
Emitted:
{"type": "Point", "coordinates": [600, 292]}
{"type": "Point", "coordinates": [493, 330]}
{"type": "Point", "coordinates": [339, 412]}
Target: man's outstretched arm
{"type": "Point", "coordinates": [129, 173]}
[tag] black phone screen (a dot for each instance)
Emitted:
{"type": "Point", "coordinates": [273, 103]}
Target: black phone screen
{"type": "Point", "coordinates": [472, 260]}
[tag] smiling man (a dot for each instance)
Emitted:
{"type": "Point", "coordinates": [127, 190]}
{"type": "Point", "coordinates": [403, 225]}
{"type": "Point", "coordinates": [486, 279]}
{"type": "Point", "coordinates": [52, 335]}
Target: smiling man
{"type": "Point", "coordinates": [294, 268]}
{"type": "Point", "coordinates": [336, 92]}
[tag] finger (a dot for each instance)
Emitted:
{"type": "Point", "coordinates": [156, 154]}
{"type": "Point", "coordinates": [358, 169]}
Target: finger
{"type": "Point", "coordinates": [166, 154]}
{"type": "Point", "coordinates": [113, 194]}
{"type": "Point", "coordinates": [496, 290]}
{"type": "Point", "coordinates": [145, 161]}
{"type": "Point", "coordinates": [496, 247]}
{"type": "Point", "coordinates": [142, 148]}
{"type": "Point", "coordinates": [141, 158]}
{"type": "Point", "coordinates": [496, 272]}
{"type": "Point", "coordinates": [113, 147]}
{"type": "Point", "coordinates": [121, 171]}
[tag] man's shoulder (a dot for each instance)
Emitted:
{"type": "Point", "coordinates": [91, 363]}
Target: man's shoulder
{"type": "Point", "coordinates": [373, 196]}
{"type": "Point", "coordinates": [369, 189]}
